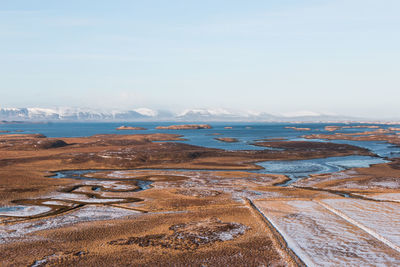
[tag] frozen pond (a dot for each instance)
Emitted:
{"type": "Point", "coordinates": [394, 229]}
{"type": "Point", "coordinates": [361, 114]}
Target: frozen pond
{"type": "Point", "coordinates": [23, 211]}
{"type": "Point", "coordinates": [296, 169]}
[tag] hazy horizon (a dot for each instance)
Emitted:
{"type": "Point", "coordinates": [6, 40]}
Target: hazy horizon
{"type": "Point", "coordinates": [282, 57]}
{"type": "Point", "coordinates": [188, 115]}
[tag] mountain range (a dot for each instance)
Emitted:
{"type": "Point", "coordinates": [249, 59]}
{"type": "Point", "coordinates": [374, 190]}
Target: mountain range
{"type": "Point", "coordinates": [146, 114]}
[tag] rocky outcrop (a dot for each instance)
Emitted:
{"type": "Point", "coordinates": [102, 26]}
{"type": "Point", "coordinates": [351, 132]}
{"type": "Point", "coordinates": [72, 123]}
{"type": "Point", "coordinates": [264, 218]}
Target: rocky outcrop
{"type": "Point", "coordinates": [185, 127]}
{"type": "Point", "coordinates": [130, 128]}
{"type": "Point", "coordinates": [298, 129]}
{"type": "Point", "coordinates": [49, 143]}
{"type": "Point", "coordinates": [227, 139]}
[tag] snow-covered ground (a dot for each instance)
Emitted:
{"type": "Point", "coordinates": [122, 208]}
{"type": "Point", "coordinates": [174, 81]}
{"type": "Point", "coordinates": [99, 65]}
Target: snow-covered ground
{"type": "Point", "coordinates": [322, 238]}
{"type": "Point", "coordinates": [23, 211]}
{"type": "Point", "coordinates": [383, 196]}
{"type": "Point", "coordinates": [111, 185]}
{"type": "Point", "coordinates": [382, 219]}
{"type": "Point", "coordinates": [85, 214]}
{"type": "Point", "coordinates": [83, 198]}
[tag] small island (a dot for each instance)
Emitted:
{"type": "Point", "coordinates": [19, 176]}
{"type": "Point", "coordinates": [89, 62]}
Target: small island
{"type": "Point", "coordinates": [130, 128]}
{"type": "Point", "coordinates": [332, 128]}
{"type": "Point", "coordinates": [227, 139]}
{"type": "Point", "coordinates": [394, 129]}
{"type": "Point", "coordinates": [271, 139]}
{"type": "Point", "coordinates": [336, 128]}
{"type": "Point", "coordinates": [298, 129]}
{"type": "Point", "coordinates": [185, 127]}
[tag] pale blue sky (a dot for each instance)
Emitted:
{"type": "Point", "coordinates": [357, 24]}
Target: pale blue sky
{"type": "Point", "coordinates": [275, 56]}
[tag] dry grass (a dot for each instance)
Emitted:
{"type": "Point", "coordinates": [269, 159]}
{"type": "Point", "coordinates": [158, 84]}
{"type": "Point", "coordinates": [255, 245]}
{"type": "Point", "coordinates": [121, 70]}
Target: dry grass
{"type": "Point", "coordinates": [181, 218]}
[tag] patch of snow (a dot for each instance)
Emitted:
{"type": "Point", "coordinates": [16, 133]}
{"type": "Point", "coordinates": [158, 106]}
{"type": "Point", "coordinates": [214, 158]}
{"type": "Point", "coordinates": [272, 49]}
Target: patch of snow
{"type": "Point", "coordinates": [39, 263]}
{"type": "Point", "coordinates": [229, 235]}
{"type": "Point", "coordinates": [23, 211]}
{"type": "Point", "coordinates": [16, 231]}
{"type": "Point", "coordinates": [113, 185]}
{"type": "Point", "coordinates": [118, 174]}
{"type": "Point", "coordinates": [204, 112]}
{"type": "Point", "coordinates": [41, 111]}
{"type": "Point", "coordinates": [57, 202]}
{"type": "Point", "coordinates": [322, 238]}
{"type": "Point", "coordinates": [380, 219]}
{"type": "Point", "coordinates": [83, 198]}
{"type": "Point", "coordinates": [146, 112]}
{"type": "Point", "coordinates": [383, 196]}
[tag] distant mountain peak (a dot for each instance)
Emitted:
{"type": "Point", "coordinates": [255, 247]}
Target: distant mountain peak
{"type": "Point", "coordinates": [147, 114]}
{"type": "Point", "coordinates": [204, 112]}
{"type": "Point", "coordinates": [306, 113]}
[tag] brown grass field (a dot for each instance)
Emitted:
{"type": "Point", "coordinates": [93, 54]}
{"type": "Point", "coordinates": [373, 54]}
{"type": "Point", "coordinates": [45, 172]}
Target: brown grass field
{"type": "Point", "coordinates": [213, 214]}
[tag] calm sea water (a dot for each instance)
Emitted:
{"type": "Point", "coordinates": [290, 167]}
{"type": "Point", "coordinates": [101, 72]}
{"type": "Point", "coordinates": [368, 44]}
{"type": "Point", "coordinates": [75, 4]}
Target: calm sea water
{"type": "Point", "coordinates": [246, 133]}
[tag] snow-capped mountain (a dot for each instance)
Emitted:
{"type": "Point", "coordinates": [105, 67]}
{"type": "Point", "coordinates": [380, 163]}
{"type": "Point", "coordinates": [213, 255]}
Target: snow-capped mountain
{"type": "Point", "coordinates": [146, 114]}
{"type": "Point", "coordinates": [206, 114]}
{"type": "Point", "coordinates": [73, 114]}
{"type": "Point", "coordinates": [302, 113]}
{"type": "Point", "coordinates": [223, 115]}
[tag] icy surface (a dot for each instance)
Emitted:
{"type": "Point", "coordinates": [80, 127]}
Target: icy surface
{"type": "Point", "coordinates": [381, 217]}
{"type": "Point", "coordinates": [111, 185]}
{"type": "Point", "coordinates": [23, 211]}
{"type": "Point", "coordinates": [383, 196]}
{"type": "Point", "coordinates": [383, 182]}
{"type": "Point", "coordinates": [296, 169]}
{"type": "Point", "coordinates": [83, 198]}
{"type": "Point", "coordinates": [321, 238]}
{"type": "Point", "coordinates": [57, 203]}
{"type": "Point", "coordinates": [313, 180]}
{"type": "Point", "coordinates": [85, 214]}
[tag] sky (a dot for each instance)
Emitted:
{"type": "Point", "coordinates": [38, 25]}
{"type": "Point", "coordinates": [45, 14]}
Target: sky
{"type": "Point", "coordinates": [337, 56]}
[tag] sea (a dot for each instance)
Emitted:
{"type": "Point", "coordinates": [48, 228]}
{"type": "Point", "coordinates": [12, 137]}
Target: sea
{"type": "Point", "coordinates": [245, 132]}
